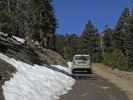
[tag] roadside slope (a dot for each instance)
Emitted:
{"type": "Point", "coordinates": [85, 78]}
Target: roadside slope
{"type": "Point", "coordinates": [123, 80]}
{"type": "Point", "coordinates": [35, 82]}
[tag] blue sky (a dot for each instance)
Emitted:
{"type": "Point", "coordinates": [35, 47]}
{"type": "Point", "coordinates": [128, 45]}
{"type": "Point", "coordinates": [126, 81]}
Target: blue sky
{"type": "Point", "coordinates": [72, 15]}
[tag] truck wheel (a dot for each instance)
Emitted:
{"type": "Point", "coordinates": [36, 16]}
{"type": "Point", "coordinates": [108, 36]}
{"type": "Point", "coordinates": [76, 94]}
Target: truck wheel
{"type": "Point", "coordinates": [90, 71]}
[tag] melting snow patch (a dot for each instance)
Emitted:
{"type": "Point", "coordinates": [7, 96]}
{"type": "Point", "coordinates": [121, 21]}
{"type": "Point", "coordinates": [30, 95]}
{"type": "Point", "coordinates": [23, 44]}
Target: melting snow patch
{"type": "Point", "coordinates": [35, 82]}
{"type": "Point", "coordinates": [63, 68]}
{"type": "Point", "coordinates": [19, 39]}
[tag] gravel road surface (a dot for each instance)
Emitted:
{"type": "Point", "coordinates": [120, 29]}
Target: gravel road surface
{"type": "Point", "coordinates": [94, 88]}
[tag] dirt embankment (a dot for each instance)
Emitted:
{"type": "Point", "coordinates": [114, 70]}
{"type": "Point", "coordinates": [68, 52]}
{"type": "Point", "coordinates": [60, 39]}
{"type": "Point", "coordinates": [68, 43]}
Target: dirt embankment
{"type": "Point", "coordinates": [28, 54]}
{"type": "Point", "coordinates": [122, 79]}
{"type": "Point", "coordinates": [49, 56]}
{"type": "Point", "coordinates": [31, 54]}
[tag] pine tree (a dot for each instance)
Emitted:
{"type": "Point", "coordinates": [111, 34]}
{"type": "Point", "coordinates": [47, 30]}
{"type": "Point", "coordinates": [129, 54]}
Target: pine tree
{"type": "Point", "coordinates": [12, 16]}
{"type": "Point", "coordinates": [68, 45]}
{"type": "Point", "coordinates": [44, 22]}
{"type": "Point", "coordinates": [91, 42]}
{"type": "Point", "coordinates": [89, 30]}
{"type": "Point", "coordinates": [5, 19]}
{"type": "Point", "coordinates": [129, 42]}
{"type": "Point", "coordinates": [121, 22]}
{"type": "Point", "coordinates": [107, 38]}
{"type": "Point", "coordinates": [33, 19]}
{"type": "Point", "coordinates": [120, 30]}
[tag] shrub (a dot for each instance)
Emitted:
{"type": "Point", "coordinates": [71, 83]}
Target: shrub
{"type": "Point", "coordinates": [116, 59]}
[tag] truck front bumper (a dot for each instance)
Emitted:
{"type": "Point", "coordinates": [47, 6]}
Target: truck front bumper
{"type": "Point", "coordinates": [81, 71]}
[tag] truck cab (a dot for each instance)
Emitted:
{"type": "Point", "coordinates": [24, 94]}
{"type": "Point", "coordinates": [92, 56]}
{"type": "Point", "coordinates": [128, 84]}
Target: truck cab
{"type": "Point", "coordinates": [81, 65]}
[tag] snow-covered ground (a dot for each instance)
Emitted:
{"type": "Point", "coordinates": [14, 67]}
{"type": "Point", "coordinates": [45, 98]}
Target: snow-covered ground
{"type": "Point", "coordinates": [21, 40]}
{"type": "Point", "coordinates": [35, 82]}
{"type": "Point", "coordinates": [66, 69]}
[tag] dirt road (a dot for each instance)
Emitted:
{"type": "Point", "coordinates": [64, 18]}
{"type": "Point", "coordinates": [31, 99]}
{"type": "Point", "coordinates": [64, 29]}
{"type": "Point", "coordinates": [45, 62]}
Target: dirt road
{"type": "Point", "coordinates": [95, 88]}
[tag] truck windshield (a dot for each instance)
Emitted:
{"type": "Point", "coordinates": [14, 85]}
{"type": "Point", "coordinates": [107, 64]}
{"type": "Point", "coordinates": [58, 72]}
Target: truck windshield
{"type": "Point", "coordinates": [83, 58]}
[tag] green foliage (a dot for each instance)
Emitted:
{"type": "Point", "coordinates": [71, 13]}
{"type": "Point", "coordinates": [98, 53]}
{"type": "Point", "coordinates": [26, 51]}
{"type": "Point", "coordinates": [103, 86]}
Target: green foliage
{"type": "Point", "coordinates": [91, 42]}
{"type": "Point", "coordinates": [114, 46]}
{"type": "Point", "coordinates": [89, 29]}
{"type": "Point", "coordinates": [121, 22]}
{"type": "Point", "coordinates": [120, 55]}
{"type": "Point", "coordinates": [68, 45]}
{"type": "Point", "coordinates": [121, 30]}
{"type": "Point", "coordinates": [129, 41]}
{"type": "Point", "coordinates": [34, 19]}
{"type": "Point", "coordinates": [107, 38]}
{"type": "Point", "coordinates": [87, 43]}
{"type": "Point", "coordinates": [116, 59]}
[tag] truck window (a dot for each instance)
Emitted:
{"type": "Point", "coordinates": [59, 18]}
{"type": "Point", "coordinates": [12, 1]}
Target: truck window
{"type": "Point", "coordinates": [83, 58]}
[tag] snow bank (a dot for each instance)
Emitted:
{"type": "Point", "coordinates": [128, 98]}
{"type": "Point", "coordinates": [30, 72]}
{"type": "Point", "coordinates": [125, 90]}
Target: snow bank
{"type": "Point", "coordinates": [66, 69]}
{"type": "Point", "coordinates": [21, 40]}
{"type": "Point", "coordinates": [35, 82]}
{"type": "Point", "coordinates": [69, 64]}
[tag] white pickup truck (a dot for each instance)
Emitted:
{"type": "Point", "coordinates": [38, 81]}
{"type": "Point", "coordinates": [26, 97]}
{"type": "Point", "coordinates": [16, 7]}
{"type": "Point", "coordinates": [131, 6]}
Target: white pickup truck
{"type": "Point", "coordinates": [81, 65]}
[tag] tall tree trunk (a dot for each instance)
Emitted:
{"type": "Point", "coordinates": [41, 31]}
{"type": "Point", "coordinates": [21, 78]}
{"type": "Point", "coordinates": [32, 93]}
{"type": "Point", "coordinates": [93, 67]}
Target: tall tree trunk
{"type": "Point", "coordinates": [8, 7]}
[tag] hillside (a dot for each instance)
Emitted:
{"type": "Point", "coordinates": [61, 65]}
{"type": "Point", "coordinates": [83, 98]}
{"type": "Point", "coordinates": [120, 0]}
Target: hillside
{"type": "Point", "coordinates": [26, 72]}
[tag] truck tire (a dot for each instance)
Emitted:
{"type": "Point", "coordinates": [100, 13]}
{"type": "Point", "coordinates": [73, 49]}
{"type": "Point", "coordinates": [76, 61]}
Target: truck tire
{"type": "Point", "coordinates": [90, 71]}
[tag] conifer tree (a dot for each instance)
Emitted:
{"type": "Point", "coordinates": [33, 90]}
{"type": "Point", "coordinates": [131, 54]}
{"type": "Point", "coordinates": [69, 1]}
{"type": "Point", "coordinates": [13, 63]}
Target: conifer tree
{"type": "Point", "coordinates": [107, 38]}
{"type": "Point", "coordinates": [129, 42]}
{"type": "Point", "coordinates": [33, 19]}
{"type": "Point", "coordinates": [120, 30]}
{"type": "Point", "coordinates": [44, 22]}
{"type": "Point", "coordinates": [91, 42]}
